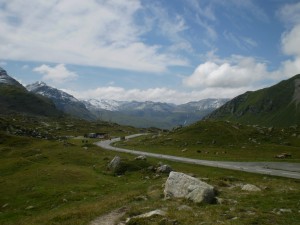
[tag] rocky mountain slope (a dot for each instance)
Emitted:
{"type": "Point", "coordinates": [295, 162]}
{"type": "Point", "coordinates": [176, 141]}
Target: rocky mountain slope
{"type": "Point", "coordinates": [14, 98]}
{"type": "Point", "coordinates": [62, 100]}
{"type": "Point", "coordinates": [277, 105]}
{"type": "Point", "coordinates": [8, 80]}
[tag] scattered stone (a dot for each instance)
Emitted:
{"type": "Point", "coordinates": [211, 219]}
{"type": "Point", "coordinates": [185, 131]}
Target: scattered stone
{"type": "Point", "coordinates": [164, 169]}
{"type": "Point", "coordinates": [65, 200]}
{"type": "Point", "coordinates": [184, 150]}
{"type": "Point", "coordinates": [180, 185]}
{"type": "Point", "coordinates": [29, 207]}
{"type": "Point", "coordinates": [110, 218]}
{"type": "Point", "coordinates": [220, 201]}
{"type": "Point", "coordinates": [283, 155]}
{"type": "Point", "coordinates": [85, 148]}
{"type": "Point", "coordinates": [115, 163]}
{"type": "Point", "coordinates": [285, 210]}
{"type": "Point", "coordinates": [141, 157]}
{"type": "Point", "coordinates": [156, 212]}
{"type": "Point", "coordinates": [141, 198]}
{"type": "Point", "coordinates": [250, 187]}
{"type": "Point", "coordinates": [5, 205]}
{"type": "Point", "coordinates": [185, 208]}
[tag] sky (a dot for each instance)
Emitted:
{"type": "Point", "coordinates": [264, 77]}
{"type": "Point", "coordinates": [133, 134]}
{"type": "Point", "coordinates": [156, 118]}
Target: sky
{"type": "Point", "coordinates": [172, 51]}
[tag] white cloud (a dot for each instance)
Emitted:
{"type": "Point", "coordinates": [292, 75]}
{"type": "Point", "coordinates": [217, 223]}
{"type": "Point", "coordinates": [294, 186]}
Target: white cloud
{"type": "Point", "coordinates": [237, 72]}
{"type": "Point", "coordinates": [290, 13]}
{"type": "Point", "coordinates": [96, 33]}
{"type": "Point", "coordinates": [57, 74]}
{"type": "Point", "coordinates": [241, 42]}
{"type": "Point", "coordinates": [248, 72]}
{"type": "Point", "coordinates": [290, 39]}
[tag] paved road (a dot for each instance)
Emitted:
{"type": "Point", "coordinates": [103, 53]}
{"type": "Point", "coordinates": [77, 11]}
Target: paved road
{"type": "Point", "coordinates": [290, 170]}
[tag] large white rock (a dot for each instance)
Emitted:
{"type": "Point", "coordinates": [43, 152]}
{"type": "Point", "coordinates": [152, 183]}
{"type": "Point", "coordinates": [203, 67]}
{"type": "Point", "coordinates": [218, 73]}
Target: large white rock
{"type": "Point", "coordinates": [180, 185]}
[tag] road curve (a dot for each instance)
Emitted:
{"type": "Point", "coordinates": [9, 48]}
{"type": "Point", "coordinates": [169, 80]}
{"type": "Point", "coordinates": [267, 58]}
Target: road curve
{"type": "Point", "coordinates": [290, 170]}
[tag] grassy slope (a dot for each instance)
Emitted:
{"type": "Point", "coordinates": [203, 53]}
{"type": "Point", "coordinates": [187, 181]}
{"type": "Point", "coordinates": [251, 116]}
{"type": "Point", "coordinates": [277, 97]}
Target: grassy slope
{"type": "Point", "coordinates": [217, 140]}
{"type": "Point", "coordinates": [270, 106]}
{"type": "Point", "coordinates": [15, 99]}
{"type": "Point", "coordinates": [46, 182]}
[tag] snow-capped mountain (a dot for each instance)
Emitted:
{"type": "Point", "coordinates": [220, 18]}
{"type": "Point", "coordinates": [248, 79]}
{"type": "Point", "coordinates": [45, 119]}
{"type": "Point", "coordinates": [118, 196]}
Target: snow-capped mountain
{"type": "Point", "coordinates": [62, 100]}
{"type": "Point", "coordinates": [204, 104]}
{"type": "Point", "coordinates": [50, 92]}
{"type": "Point", "coordinates": [106, 104]}
{"type": "Point", "coordinates": [148, 113]}
{"type": "Point", "coordinates": [6, 79]}
{"type": "Point", "coordinates": [112, 105]}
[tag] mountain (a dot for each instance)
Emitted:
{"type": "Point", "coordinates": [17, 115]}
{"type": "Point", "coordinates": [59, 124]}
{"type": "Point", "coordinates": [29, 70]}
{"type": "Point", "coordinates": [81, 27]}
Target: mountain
{"type": "Point", "coordinates": [105, 104]}
{"type": "Point", "coordinates": [14, 98]}
{"type": "Point", "coordinates": [6, 79]}
{"type": "Point", "coordinates": [152, 114]}
{"type": "Point", "coordinates": [277, 105]}
{"type": "Point", "coordinates": [62, 100]}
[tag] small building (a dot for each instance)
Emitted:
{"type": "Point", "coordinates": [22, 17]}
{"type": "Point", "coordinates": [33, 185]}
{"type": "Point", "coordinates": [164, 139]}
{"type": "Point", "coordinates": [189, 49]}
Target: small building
{"type": "Point", "coordinates": [97, 135]}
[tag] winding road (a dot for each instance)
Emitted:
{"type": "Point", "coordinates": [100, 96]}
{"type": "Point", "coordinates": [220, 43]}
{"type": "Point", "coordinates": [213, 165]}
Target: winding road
{"type": "Point", "coordinates": [282, 169]}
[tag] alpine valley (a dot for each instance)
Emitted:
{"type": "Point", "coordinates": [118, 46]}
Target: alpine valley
{"type": "Point", "coordinates": [133, 113]}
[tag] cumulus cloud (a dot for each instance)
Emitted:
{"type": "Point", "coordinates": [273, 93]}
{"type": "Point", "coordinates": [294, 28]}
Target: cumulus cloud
{"type": "Point", "coordinates": [240, 72]}
{"type": "Point", "coordinates": [237, 72]}
{"type": "Point", "coordinates": [290, 14]}
{"type": "Point", "coordinates": [56, 74]}
{"type": "Point", "coordinates": [96, 33]}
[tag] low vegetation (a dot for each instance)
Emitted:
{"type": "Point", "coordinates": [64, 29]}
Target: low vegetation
{"type": "Point", "coordinates": [217, 140]}
{"type": "Point", "coordinates": [66, 181]}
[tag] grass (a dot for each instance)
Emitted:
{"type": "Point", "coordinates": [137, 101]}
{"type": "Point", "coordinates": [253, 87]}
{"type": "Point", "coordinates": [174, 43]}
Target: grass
{"type": "Point", "coordinates": [226, 141]}
{"type": "Point", "coordinates": [46, 182]}
{"type": "Point", "coordinates": [66, 181]}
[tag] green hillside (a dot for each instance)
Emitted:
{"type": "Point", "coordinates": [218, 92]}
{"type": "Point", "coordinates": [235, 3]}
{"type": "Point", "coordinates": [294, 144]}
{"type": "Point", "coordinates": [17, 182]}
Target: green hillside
{"type": "Point", "coordinates": [14, 99]}
{"type": "Point", "coordinates": [222, 141]}
{"type": "Point", "coordinates": [273, 106]}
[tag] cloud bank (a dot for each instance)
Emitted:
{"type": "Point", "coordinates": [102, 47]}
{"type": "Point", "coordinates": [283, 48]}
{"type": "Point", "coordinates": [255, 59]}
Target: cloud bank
{"type": "Point", "coordinates": [91, 32]}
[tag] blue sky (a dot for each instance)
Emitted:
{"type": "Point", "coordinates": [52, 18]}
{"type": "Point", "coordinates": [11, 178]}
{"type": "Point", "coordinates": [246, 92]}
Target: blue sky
{"type": "Point", "coordinates": [159, 50]}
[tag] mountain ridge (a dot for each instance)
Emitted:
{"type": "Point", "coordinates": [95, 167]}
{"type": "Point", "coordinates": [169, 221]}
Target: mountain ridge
{"type": "Point", "coordinates": [277, 105]}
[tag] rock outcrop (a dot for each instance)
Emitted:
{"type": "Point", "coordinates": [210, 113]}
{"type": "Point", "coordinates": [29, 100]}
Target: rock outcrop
{"type": "Point", "coordinates": [180, 185]}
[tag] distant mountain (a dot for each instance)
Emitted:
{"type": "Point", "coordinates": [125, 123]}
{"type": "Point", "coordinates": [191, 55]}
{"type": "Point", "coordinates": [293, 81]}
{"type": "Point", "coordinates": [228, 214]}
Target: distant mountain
{"type": "Point", "coordinates": [94, 104]}
{"type": "Point", "coordinates": [62, 100]}
{"type": "Point", "coordinates": [147, 114]}
{"type": "Point", "coordinates": [14, 98]}
{"type": "Point", "coordinates": [274, 106]}
{"type": "Point", "coordinates": [6, 79]}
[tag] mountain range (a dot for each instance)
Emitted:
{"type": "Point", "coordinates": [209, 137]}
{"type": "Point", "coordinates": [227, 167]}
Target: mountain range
{"type": "Point", "coordinates": [138, 114]}
{"type": "Point", "coordinates": [156, 114]}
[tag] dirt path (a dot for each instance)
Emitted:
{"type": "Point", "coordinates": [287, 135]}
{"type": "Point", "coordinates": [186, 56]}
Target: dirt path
{"type": "Point", "coordinates": [111, 218]}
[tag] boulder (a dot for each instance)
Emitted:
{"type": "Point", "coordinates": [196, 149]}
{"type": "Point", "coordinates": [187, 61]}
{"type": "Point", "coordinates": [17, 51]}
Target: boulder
{"type": "Point", "coordinates": [164, 169]}
{"type": "Point", "coordinates": [114, 163]}
{"type": "Point", "coordinates": [180, 185]}
{"type": "Point", "coordinates": [250, 187]}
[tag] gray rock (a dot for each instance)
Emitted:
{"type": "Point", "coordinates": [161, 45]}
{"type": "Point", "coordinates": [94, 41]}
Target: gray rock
{"type": "Point", "coordinates": [115, 163]}
{"type": "Point", "coordinates": [141, 157]}
{"type": "Point", "coordinates": [164, 169]}
{"type": "Point", "coordinates": [180, 185]}
{"type": "Point", "coordinates": [250, 187]}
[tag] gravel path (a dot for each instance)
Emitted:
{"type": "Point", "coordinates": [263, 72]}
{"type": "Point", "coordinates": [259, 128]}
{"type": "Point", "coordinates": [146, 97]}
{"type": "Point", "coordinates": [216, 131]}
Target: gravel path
{"type": "Point", "coordinates": [290, 170]}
